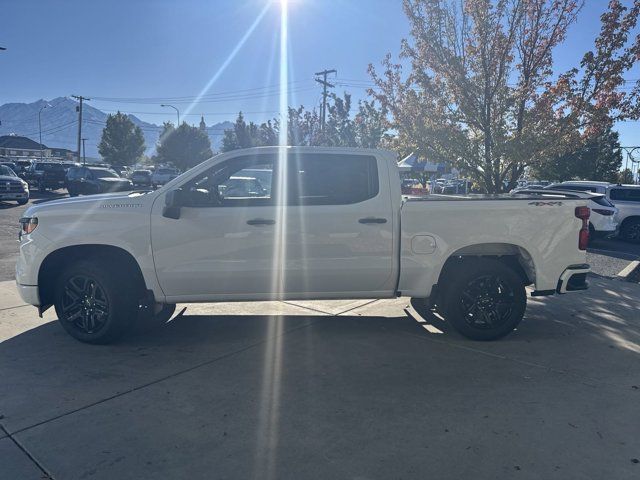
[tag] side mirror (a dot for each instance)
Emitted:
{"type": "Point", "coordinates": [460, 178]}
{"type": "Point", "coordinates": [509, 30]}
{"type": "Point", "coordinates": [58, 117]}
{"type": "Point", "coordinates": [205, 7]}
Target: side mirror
{"type": "Point", "coordinates": [172, 203]}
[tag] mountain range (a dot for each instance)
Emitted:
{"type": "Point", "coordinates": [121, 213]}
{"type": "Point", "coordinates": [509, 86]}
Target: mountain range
{"type": "Point", "coordinates": [60, 125]}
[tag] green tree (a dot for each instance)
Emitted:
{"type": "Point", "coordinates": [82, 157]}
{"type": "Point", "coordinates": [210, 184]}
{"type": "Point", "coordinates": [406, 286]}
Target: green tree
{"type": "Point", "coordinates": [599, 159]}
{"type": "Point", "coordinates": [625, 176]}
{"type": "Point", "coordinates": [184, 147]}
{"type": "Point", "coordinates": [482, 95]}
{"type": "Point", "coordinates": [367, 129]}
{"type": "Point", "coordinates": [242, 135]}
{"type": "Point", "coordinates": [371, 125]}
{"type": "Point", "coordinates": [122, 142]}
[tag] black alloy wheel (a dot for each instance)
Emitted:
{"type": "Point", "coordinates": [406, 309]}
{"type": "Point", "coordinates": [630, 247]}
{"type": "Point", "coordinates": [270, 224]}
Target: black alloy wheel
{"type": "Point", "coordinates": [487, 302]}
{"type": "Point", "coordinates": [84, 305]}
{"type": "Point", "coordinates": [483, 299]}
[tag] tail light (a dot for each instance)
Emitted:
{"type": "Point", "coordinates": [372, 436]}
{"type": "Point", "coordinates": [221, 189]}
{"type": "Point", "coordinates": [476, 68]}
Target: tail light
{"type": "Point", "coordinates": [583, 213]}
{"type": "Point", "coordinates": [606, 213]}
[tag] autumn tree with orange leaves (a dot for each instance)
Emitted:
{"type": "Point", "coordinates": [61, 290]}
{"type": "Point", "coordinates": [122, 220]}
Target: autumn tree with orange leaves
{"type": "Point", "coordinates": [481, 92]}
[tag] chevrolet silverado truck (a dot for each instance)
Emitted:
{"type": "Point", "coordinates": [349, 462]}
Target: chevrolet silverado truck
{"type": "Point", "coordinates": [330, 223]}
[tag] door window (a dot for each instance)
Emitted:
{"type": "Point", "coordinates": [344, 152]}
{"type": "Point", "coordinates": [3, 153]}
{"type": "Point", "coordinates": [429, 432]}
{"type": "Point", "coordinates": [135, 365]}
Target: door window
{"type": "Point", "coordinates": [242, 181]}
{"type": "Point", "coordinates": [331, 179]}
{"type": "Point", "coordinates": [625, 194]}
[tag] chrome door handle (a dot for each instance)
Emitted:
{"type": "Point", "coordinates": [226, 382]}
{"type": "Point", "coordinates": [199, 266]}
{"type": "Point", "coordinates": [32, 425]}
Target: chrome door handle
{"type": "Point", "coordinates": [372, 220]}
{"type": "Point", "coordinates": [261, 221]}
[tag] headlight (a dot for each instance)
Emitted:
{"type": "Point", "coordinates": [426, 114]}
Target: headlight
{"type": "Point", "coordinates": [28, 225]}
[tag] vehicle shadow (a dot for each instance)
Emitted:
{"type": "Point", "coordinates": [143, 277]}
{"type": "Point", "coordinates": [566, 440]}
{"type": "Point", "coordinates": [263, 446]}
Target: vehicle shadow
{"type": "Point", "coordinates": [41, 197]}
{"type": "Point", "coordinates": [6, 205]}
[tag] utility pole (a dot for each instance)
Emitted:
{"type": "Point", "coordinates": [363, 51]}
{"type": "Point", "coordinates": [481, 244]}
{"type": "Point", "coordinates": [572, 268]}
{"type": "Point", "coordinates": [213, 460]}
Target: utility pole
{"type": "Point", "coordinates": [84, 156]}
{"type": "Point", "coordinates": [80, 99]}
{"type": "Point", "coordinates": [325, 84]}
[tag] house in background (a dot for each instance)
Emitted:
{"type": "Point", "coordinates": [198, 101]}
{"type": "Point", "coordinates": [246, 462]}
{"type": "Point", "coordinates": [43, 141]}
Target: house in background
{"type": "Point", "coordinates": [15, 147]}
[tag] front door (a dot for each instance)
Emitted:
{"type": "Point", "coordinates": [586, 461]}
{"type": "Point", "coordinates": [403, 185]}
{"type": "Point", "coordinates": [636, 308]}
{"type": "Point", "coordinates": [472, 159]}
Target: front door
{"type": "Point", "coordinates": [222, 244]}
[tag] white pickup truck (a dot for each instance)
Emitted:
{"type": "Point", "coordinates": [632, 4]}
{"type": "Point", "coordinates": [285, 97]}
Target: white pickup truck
{"type": "Point", "coordinates": [327, 223]}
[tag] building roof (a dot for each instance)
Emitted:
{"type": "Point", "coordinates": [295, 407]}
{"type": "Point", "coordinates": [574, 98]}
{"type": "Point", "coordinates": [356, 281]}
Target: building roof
{"type": "Point", "coordinates": [19, 143]}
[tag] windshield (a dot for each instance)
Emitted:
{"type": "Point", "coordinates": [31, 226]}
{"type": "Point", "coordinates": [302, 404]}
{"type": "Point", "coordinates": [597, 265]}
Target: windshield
{"type": "Point", "coordinates": [104, 173]}
{"type": "Point", "coordinates": [6, 171]}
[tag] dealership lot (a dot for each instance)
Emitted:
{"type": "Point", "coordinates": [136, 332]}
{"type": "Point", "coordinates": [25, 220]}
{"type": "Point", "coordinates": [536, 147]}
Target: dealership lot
{"type": "Point", "coordinates": [326, 389]}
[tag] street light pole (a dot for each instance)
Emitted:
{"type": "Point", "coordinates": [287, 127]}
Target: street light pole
{"type": "Point", "coordinates": [40, 126]}
{"type": "Point", "coordinates": [177, 111]}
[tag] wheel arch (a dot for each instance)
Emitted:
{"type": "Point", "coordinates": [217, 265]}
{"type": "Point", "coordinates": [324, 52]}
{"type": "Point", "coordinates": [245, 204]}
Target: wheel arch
{"type": "Point", "coordinates": [630, 218]}
{"type": "Point", "coordinates": [54, 263]}
{"type": "Point", "coordinates": [514, 256]}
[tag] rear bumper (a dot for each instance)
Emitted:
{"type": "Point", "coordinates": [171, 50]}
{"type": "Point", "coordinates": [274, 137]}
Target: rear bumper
{"type": "Point", "coordinates": [573, 279]}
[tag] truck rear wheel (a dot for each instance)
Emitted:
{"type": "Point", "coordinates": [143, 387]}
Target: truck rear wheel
{"type": "Point", "coordinates": [95, 301]}
{"type": "Point", "coordinates": [483, 299]}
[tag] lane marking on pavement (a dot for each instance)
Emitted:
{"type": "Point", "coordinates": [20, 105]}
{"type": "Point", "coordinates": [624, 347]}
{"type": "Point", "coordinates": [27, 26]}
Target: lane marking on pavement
{"type": "Point", "coordinates": [629, 269]}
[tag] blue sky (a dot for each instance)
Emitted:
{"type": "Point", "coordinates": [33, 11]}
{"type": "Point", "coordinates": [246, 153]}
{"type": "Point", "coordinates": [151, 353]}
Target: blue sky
{"type": "Point", "coordinates": [137, 49]}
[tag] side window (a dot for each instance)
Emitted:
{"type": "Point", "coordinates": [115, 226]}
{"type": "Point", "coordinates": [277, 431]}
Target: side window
{"type": "Point", "coordinates": [331, 179]}
{"type": "Point", "coordinates": [625, 194]}
{"type": "Point", "coordinates": [242, 181]}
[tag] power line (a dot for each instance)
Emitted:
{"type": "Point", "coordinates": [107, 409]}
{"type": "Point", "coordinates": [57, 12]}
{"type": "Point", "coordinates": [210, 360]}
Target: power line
{"type": "Point", "coordinates": [210, 98]}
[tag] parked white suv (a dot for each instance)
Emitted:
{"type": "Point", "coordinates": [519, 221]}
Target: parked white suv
{"type": "Point", "coordinates": [604, 221]}
{"type": "Point", "coordinates": [626, 198]}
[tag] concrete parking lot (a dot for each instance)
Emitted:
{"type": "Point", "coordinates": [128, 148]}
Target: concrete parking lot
{"type": "Point", "coordinates": [333, 389]}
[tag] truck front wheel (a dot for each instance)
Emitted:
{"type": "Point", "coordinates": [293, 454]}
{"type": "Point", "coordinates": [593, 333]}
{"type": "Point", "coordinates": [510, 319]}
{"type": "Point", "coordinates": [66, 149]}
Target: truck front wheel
{"type": "Point", "coordinates": [95, 301]}
{"type": "Point", "coordinates": [483, 299]}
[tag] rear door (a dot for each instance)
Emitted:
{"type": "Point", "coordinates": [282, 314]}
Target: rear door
{"type": "Point", "coordinates": [339, 225]}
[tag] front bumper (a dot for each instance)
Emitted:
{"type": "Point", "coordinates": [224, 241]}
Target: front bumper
{"type": "Point", "coordinates": [573, 279]}
{"type": "Point", "coordinates": [14, 195]}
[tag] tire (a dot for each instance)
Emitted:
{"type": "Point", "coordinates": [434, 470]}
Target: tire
{"type": "Point", "coordinates": [96, 301]}
{"type": "Point", "coordinates": [23, 201]}
{"type": "Point", "coordinates": [483, 299]}
{"type": "Point", "coordinates": [630, 230]}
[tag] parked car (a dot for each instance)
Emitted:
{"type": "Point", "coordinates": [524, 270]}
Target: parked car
{"type": "Point", "coordinates": [163, 175]}
{"type": "Point", "coordinates": [238, 187]}
{"type": "Point", "coordinates": [12, 187]}
{"type": "Point", "coordinates": [10, 165]}
{"type": "Point", "coordinates": [46, 175]}
{"type": "Point", "coordinates": [603, 221]}
{"type": "Point", "coordinates": [122, 170]}
{"type": "Point", "coordinates": [626, 199]}
{"type": "Point", "coordinates": [93, 180]}
{"type": "Point", "coordinates": [22, 166]}
{"type": "Point", "coordinates": [141, 178]}
{"type": "Point", "coordinates": [338, 228]}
